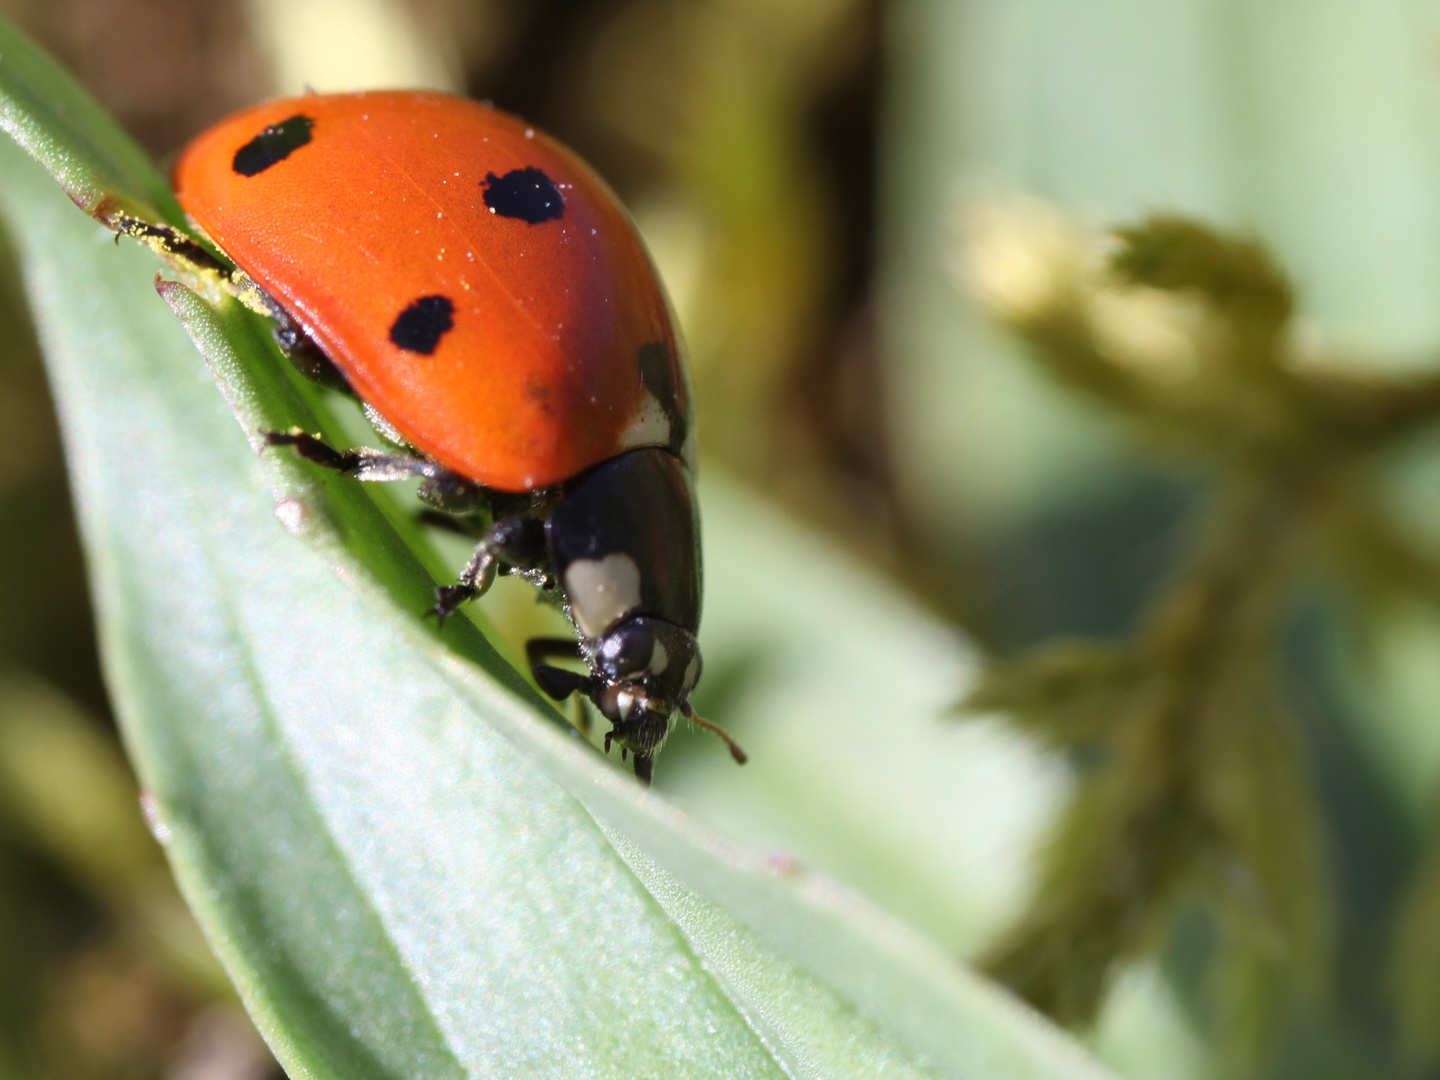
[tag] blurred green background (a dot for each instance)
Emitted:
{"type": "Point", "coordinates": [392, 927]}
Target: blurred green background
{"type": "Point", "coordinates": [799, 168]}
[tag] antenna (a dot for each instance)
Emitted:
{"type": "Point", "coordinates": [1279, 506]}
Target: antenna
{"type": "Point", "coordinates": [695, 718]}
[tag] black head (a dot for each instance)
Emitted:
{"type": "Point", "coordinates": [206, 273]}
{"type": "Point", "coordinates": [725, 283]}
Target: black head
{"type": "Point", "coordinates": [645, 670]}
{"type": "Point", "coordinates": [653, 654]}
{"type": "Point", "coordinates": [642, 672]}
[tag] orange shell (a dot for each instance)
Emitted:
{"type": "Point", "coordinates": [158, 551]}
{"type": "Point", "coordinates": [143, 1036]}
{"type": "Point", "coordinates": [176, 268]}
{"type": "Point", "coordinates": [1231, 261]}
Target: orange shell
{"type": "Point", "coordinates": [539, 377]}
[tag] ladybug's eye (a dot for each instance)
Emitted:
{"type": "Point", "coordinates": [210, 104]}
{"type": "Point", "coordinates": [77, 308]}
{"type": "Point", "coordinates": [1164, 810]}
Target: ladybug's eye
{"type": "Point", "coordinates": [625, 651]}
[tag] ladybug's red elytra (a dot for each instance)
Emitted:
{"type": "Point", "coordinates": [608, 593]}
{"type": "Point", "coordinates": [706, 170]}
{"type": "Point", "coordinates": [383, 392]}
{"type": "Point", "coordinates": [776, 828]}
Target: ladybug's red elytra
{"type": "Point", "coordinates": [491, 304]}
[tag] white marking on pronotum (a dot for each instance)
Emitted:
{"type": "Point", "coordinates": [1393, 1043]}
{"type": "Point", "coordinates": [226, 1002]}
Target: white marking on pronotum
{"type": "Point", "coordinates": [648, 426]}
{"type": "Point", "coordinates": [659, 659]}
{"type": "Point", "coordinates": [602, 590]}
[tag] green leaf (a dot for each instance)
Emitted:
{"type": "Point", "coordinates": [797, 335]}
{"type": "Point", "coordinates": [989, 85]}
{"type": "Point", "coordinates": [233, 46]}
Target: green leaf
{"type": "Point", "coordinates": [407, 868]}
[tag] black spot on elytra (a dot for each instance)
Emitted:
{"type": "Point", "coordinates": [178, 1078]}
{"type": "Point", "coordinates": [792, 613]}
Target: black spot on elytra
{"type": "Point", "coordinates": [527, 194]}
{"type": "Point", "coordinates": [420, 326]}
{"type": "Point", "coordinates": [657, 375]}
{"type": "Point", "coordinates": [273, 145]}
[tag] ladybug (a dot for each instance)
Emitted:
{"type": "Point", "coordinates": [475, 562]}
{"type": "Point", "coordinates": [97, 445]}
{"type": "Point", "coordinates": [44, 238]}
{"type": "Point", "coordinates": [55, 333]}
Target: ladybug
{"type": "Point", "coordinates": [487, 299]}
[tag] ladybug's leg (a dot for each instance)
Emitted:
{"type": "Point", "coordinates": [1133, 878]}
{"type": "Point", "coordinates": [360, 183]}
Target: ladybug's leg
{"type": "Point", "coordinates": [560, 683]}
{"type": "Point", "coordinates": [307, 357]}
{"type": "Point", "coordinates": [439, 519]}
{"type": "Point", "coordinates": [540, 649]}
{"type": "Point", "coordinates": [363, 463]}
{"type": "Point", "coordinates": [644, 768]}
{"type": "Point", "coordinates": [518, 541]}
{"type": "Point", "coordinates": [172, 244]}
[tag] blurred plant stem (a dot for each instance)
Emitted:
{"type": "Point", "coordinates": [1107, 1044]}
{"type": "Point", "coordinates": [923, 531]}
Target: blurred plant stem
{"type": "Point", "coordinates": [339, 45]}
{"type": "Point", "coordinates": [66, 784]}
{"type": "Point", "coordinates": [1193, 776]}
{"type": "Point", "coordinates": [125, 999]}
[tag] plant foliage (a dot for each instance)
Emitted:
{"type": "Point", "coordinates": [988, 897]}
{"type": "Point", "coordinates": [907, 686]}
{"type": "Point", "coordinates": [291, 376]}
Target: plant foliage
{"type": "Point", "coordinates": [1196, 780]}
